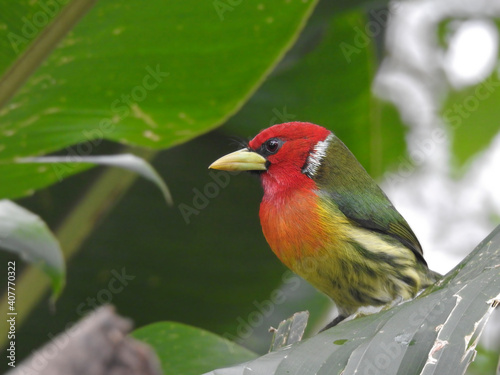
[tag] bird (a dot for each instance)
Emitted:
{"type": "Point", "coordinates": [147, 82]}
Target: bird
{"type": "Point", "coordinates": [328, 221]}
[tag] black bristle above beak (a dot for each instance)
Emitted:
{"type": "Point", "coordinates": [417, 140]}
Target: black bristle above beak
{"type": "Point", "coordinates": [240, 142]}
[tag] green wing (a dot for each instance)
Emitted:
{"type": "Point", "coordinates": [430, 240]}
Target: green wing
{"type": "Point", "coordinates": [378, 215]}
{"type": "Point", "coordinates": [360, 199]}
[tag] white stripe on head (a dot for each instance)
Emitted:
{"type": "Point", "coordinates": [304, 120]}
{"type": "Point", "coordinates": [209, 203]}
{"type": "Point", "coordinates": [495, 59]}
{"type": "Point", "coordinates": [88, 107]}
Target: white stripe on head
{"type": "Point", "coordinates": [316, 156]}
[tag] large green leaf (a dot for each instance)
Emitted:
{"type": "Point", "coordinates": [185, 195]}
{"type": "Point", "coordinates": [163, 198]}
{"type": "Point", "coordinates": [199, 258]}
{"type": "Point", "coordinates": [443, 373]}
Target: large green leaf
{"type": "Point", "coordinates": [434, 334]}
{"type": "Point", "coordinates": [186, 350]}
{"type": "Point", "coordinates": [25, 234]}
{"type": "Point", "coordinates": [153, 76]}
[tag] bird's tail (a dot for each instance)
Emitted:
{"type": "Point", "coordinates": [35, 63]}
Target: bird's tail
{"type": "Point", "coordinates": [432, 277]}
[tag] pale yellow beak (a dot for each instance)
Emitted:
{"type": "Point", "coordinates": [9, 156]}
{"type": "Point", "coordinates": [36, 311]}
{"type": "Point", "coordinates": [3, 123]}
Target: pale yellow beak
{"type": "Point", "coordinates": [242, 160]}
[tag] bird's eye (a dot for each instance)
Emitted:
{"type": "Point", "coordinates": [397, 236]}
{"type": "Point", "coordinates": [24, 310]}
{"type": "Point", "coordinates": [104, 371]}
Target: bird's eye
{"type": "Point", "coordinates": [273, 145]}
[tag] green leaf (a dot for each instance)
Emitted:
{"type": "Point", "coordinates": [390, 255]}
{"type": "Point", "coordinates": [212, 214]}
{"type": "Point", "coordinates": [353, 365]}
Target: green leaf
{"type": "Point", "coordinates": [23, 179]}
{"type": "Point", "coordinates": [471, 109]}
{"type": "Point", "coordinates": [434, 334]}
{"type": "Point", "coordinates": [25, 234]}
{"type": "Point", "coordinates": [329, 86]}
{"type": "Point", "coordinates": [486, 362]}
{"type": "Point", "coordinates": [126, 161]}
{"type": "Point", "coordinates": [192, 65]}
{"type": "Point", "coordinates": [45, 41]}
{"type": "Point", "coordinates": [187, 350]}
{"type": "Point", "coordinates": [188, 71]}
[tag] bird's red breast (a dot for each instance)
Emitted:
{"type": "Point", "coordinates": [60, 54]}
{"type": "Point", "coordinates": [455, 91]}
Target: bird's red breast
{"type": "Point", "coordinates": [296, 223]}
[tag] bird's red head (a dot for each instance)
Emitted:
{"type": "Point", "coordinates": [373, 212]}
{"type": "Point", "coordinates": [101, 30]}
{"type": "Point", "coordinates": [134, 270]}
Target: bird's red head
{"type": "Point", "coordinates": [289, 150]}
{"type": "Point", "coordinates": [287, 156]}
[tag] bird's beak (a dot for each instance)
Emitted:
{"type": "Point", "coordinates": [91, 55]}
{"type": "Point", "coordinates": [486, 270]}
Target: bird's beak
{"type": "Point", "coordinates": [242, 160]}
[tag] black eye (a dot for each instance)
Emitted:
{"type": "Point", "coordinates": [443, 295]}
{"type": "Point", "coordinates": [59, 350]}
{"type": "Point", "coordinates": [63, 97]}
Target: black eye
{"type": "Point", "coordinates": [272, 145]}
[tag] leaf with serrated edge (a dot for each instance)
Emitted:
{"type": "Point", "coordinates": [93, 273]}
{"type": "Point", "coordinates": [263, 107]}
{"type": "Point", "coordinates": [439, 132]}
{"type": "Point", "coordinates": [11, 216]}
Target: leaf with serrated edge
{"type": "Point", "coordinates": [433, 334]}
